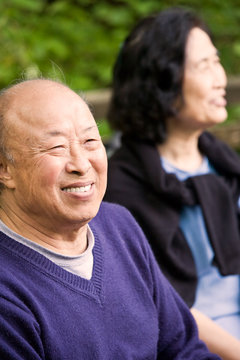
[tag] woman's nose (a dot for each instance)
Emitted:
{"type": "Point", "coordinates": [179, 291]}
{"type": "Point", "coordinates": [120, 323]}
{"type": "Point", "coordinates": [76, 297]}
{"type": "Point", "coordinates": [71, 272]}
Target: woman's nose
{"type": "Point", "coordinates": [220, 77]}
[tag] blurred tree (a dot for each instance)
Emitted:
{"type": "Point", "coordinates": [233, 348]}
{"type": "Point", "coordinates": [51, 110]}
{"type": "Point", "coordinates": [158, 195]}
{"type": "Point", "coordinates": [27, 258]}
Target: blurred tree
{"type": "Point", "coordinates": [77, 40]}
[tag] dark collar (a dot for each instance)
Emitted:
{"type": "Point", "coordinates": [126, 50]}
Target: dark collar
{"type": "Point", "coordinates": [217, 194]}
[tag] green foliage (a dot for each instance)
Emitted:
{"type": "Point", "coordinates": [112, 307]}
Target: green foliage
{"type": "Point", "coordinates": [104, 130]}
{"type": "Point", "coordinates": [233, 114]}
{"type": "Point", "coordinates": [77, 41]}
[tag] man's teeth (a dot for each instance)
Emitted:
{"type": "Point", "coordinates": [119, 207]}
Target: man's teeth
{"type": "Point", "coordinates": [78, 189]}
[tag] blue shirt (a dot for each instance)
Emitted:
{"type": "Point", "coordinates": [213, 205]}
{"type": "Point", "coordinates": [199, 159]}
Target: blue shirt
{"type": "Point", "coordinates": [217, 296]}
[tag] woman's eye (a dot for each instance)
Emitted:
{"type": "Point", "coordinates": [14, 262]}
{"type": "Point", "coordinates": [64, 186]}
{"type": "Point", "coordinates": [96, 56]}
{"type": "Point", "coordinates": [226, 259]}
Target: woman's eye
{"type": "Point", "coordinates": [203, 65]}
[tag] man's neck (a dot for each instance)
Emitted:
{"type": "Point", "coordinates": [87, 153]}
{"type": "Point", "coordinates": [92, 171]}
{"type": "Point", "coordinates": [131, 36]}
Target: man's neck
{"type": "Point", "coordinates": [69, 240]}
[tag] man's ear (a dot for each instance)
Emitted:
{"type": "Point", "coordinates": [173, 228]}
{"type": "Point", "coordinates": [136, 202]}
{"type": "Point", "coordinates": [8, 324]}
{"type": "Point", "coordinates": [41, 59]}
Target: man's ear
{"type": "Point", "coordinates": [6, 174]}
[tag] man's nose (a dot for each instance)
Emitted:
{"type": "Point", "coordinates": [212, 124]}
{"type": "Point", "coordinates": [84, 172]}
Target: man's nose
{"type": "Point", "coordinates": [78, 162]}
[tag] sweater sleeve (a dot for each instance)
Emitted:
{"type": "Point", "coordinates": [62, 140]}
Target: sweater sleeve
{"type": "Point", "coordinates": [178, 334]}
{"type": "Point", "coordinates": [20, 335]}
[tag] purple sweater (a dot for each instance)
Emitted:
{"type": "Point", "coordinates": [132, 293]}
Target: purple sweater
{"type": "Point", "coordinates": [127, 310]}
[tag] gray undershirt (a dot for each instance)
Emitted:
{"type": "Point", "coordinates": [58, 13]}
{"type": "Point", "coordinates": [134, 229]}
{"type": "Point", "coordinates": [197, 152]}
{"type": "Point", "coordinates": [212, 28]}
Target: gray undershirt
{"type": "Point", "coordinates": [80, 265]}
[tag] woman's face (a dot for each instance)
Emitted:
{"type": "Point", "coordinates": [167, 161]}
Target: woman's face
{"type": "Point", "coordinates": [204, 83]}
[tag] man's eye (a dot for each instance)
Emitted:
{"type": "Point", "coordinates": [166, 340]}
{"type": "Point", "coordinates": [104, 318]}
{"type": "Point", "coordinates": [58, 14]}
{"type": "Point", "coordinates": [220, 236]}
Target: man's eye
{"type": "Point", "coordinates": [57, 147]}
{"type": "Point", "coordinates": [92, 141]}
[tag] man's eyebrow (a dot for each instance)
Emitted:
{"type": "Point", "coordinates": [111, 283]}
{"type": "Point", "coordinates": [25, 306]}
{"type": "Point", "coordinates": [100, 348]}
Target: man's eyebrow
{"type": "Point", "coordinates": [62, 133]}
{"type": "Point", "coordinates": [55, 133]}
{"type": "Point", "coordinates": [90, 128]}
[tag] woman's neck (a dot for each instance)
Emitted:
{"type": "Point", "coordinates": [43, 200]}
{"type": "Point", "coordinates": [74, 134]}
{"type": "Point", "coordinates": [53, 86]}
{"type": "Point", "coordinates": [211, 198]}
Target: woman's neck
{"type": "Point", "coordinates": [181, 150]}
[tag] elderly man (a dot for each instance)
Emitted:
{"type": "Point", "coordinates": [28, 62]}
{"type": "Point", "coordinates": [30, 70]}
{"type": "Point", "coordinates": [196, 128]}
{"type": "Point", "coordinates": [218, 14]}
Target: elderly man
{"type": "Point", "coordinates": [77, 277]}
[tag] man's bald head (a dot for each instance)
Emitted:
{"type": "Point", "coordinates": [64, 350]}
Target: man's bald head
{"type": "Point", "coordinates": [20, 100]}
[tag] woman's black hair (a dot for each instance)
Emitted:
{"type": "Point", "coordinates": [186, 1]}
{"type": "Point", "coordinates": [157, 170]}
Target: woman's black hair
{"type": "Point", "coordinates": [148, 74]}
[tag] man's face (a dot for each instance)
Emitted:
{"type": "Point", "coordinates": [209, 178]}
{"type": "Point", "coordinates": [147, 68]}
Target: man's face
{"type": "Point", "coordinates": [60, 164]}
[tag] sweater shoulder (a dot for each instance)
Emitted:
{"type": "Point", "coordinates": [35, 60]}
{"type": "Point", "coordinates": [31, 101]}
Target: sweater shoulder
{"type": "Point", "coordinates": [113, 215]}
{"type": "Point", "coordinates": [115, 223]}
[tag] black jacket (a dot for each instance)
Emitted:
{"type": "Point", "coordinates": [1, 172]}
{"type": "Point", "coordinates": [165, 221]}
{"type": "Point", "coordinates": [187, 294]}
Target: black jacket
{"type": "Point", "coordinates": [137, 181]}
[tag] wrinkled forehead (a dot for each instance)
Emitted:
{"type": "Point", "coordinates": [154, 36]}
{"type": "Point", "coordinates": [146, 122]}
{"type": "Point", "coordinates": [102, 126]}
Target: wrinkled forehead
{"type": "Point", "coordinates": [43, 104]}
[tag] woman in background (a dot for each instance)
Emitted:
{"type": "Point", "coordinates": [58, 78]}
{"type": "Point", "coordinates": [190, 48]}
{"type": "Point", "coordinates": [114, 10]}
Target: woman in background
{"type": "Point", "coordinates": [180, 182]}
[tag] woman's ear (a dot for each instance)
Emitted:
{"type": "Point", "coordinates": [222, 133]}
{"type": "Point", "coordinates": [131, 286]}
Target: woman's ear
{"type": "Point", "coordinates": [6, 174]}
